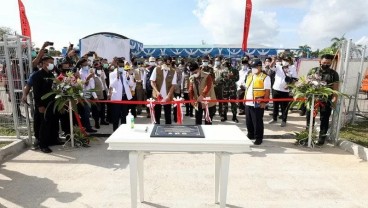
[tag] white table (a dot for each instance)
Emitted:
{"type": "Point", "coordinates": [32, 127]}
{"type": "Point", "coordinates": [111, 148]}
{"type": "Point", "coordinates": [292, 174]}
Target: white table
{"type": "Point", "coordinates": [223, 140]}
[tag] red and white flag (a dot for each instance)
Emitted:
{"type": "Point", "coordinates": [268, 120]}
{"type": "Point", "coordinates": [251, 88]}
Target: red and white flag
{"type": "Point", "coordinates": [247, 17]}
{"type": "Point", "coordinates": [26, 29]}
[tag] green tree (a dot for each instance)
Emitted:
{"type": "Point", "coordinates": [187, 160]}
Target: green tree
{"type": "Point", "coordinates": [5, 30]}
{"type": "Point", "coordinates": [303, 51]}
{"type": "Point", "coordinates": [337, 43]}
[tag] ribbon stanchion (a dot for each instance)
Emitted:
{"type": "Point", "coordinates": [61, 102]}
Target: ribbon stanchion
{"type": "Point", "coordinates": [318, 104]}
{"type": "Point", "coordinates": [179, 113]}
{"type": "Point", "coordinates": [207, 112]}
{"type": "Point", "coordinates": [151, 108]}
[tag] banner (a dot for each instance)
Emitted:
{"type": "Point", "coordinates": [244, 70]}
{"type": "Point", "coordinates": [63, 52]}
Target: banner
{"type": "Point", "coordinates": [26, 30]}
{"type": "Point", "coordinates": [247, 17]}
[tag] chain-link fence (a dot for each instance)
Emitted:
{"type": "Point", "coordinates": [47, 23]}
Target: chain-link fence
{"type": "Point", "coordinates": [15, 56]}
{"type": "Point", "coordinates": [351, 67]}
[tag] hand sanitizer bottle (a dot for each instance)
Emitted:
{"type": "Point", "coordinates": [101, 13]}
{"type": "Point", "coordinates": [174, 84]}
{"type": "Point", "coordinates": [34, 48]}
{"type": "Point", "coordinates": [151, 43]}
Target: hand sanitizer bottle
{"type": "Point", "coordinates": [130, 120]}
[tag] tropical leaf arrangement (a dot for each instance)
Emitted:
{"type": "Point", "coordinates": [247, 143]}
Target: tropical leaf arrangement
{"type": "Point", "coordinates": [70, 88]}
{"type": "Point", "coordinates": [307, 86]}
{"type": "Point", "coordinates": [302, 137]}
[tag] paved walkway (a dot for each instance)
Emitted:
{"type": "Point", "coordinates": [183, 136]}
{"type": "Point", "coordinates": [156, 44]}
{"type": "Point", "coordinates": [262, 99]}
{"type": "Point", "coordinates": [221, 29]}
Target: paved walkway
{"type": "Point", "coordinates": [275, 174]}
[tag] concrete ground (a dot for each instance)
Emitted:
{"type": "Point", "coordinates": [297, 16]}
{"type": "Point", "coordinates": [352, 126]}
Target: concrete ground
{"type": "Point", "coordinates": [275, 174]}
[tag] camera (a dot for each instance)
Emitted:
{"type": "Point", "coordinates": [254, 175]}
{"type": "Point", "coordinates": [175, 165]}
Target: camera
{"type": "Point", "coordinates": [91, 53]}
{"type": "Point", "coordinates": [50, 43]}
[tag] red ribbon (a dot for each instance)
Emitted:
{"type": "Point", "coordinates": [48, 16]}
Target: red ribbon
{"type": "Point", "coordinates": [179, 113]}
{"type": "Point", "coordinates": [318, 104]}
{"type": "Point", "coordinates": [80, 124]}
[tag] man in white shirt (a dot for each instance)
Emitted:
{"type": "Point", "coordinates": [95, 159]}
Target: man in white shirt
{"type": "Point", "coordinates": [163, 82]}
{"type": "Point", "coordinates": [243, 72]}
{"type": "Point", "coordinates": [120, 84]}
{"type": "Point", "coordinates": [258, 86]}
{"type": "Point", "coordinates": [281, 89]}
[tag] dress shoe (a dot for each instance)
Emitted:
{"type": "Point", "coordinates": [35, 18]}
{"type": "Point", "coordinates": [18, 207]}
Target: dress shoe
{"type": "Point", "coordinates": [258, 142]}
{"type": "Point", "coordinates": [104, 123]}
{"type": "Point", "coordinates": [187, 114]}
{"type": "Point", "coordinates": [45, 150]}
{"type": "Point", "coordinates": [235, 120]}
{"type": "Point", "coordinates": [241, 113]}
{"type": "Point", "coordinates": [91, 130]}
{"type": "Point", "coordinates": [97, 126]}
{"type": "Point", "coordinates": [272, 121]}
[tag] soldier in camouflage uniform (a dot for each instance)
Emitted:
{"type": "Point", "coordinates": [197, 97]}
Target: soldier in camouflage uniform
{"type": "Point", "coordinates": [228, 79]}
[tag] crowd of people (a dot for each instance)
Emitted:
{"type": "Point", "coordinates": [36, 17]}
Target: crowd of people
{"type": "Point", "coordinates": [162, 79]}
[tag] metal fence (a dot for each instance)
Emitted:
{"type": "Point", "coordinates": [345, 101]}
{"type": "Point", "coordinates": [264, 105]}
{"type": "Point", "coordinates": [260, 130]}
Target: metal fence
{"type": "Point", "coordinates": [15, 56]}
{"type": "Point", "coordinates": [351, 68]}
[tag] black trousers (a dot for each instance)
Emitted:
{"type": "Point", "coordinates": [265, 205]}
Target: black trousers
{"type": "Point", "coordinates": [325, 113]}
{"type": "Point", "coordinates": [188, 106]}
{"type": "Point", "coordinates": [148, 96]}
{"type": "Point", "coordinates": [240, 95]}
{"type": "Point", "coordinates": [36, 123]}
{"type": "Point", "coordinates": [65, 122]}
{"type": "Point", "coordinates": [200, 113]}
{"type": "Point", "coordinates": [119, 113]}
{"type": "Point", "coordinates": [49, 128]}
{"type": "Point", "coordinates": [167, 111]}
{"type": "Point", "coordinates": [254, 122]}
{"type": "Point", "coordinates": [284, 105]}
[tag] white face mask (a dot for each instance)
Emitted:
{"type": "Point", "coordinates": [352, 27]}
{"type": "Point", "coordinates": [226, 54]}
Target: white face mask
{"type": "Point", "coordinates": [85, 68]}
{"type": "Point", "coordinates": [205, 63]}
{"type": "Point", "coordinates": [50, 67]}
{"type": "Point", "coordinates": [285, 63]}
{"type": "Point", "coordinates": [152, 64]}
{"type": "Point", "coordinates": [98, 72]}
{"type": "Point", "coordinates": [217, 63]}
{"type": "Point", "coordinates": [196, 75]}
{"type": "Point", "coordinates": [254, 70]}
{"type": "Point", "coordinates": [278, 63]}
{"type": "Point", "coordinates": [159, 62]}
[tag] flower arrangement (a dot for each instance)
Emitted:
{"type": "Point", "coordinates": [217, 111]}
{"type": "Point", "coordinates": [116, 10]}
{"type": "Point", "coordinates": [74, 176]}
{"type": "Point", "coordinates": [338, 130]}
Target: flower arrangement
{"type": "Point", "coordinates": [311, 85]}
{"type": "Point", "coordinates": [68, 89]}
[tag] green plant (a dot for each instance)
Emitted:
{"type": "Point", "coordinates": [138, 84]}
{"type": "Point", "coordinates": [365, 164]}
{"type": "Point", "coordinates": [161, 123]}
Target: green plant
{"type": "Point", "coordinates": [80, 139]}
{"type": "Point", "coordinates": [302, 137]}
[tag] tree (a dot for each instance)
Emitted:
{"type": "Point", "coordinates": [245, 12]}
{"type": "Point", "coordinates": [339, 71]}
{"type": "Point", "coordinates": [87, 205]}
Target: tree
{"type": "Point", "coordinates": [5, 30]}
{"type": "Point", "coordinates": [337, 43]}
{"type": "Point", "coordinates": [315, 54]}
{"type": "Point", "coordinates": [304, 51]}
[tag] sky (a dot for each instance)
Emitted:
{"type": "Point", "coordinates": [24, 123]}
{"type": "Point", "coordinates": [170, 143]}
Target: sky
{"type": "Point", "coordinates": [274, 23]}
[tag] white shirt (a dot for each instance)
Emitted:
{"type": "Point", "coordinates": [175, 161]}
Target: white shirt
{"type": "Point", "coordinates": [242, 76]}
{"type": "Point", "coordinates": [163, 87]}
{"type": "Point", "coordinates": [249, 96]}
{"type": "Point", "coordinates": [90, 86]}
{"type": "Point", "coordinates": [280, 84]}
{"type": "Point", "coordinates": [117, 86]}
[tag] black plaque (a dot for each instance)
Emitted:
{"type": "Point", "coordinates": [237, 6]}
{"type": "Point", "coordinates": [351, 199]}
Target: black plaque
{"type": "Point", "coordinates": [185, 131]}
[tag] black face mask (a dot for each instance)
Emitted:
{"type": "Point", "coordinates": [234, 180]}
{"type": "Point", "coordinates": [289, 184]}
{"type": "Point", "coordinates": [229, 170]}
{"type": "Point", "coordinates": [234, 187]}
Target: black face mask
{"type": "Point", "coordinates": [325, 67]}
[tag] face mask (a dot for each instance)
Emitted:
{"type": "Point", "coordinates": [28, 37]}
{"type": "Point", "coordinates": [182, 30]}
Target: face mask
{"type": "Point", "coordinates": [152, 64]}
{"type": "Point", "coordinates": [285, 63]}
{"type": "Point", "coordinates": [98, 72]}
{"type": "Point", "coordinates": [245, 67]}
{"type": "Point", "coordinates": [324, 67]}
{"type": "Point", "coordinates": [146, 63]}
{"type": "Point", "coordinates": [278, 63]}
{"type": "Point", "coordinates": [105, 66]}
{"type": "Point", "coordinates": [159, 62]}
{"type": "Point", "coordinates": [50, 67]}
{"type": "Point", "coordinates": [205, 63]}
{"type": "Point", "coordinates": [85, 68]}
{"type": "Point", "coordinates": [254, 70]}
{"type": "Point", "coordinates": [196, 75]}
{"type": "Point", "coordinates": [217, 63]}
{"type": "Point", "coordinates": [120, 70]}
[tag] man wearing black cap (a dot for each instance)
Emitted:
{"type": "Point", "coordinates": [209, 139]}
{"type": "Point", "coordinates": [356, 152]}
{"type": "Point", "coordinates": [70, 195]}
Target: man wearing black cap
{"type": "Point", "coordinates": [42, 84]}
{"type": "Point", "coordinates": [201, 86]}
{"type": "Point", "coordinates": [258, 86]}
